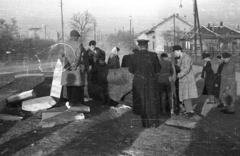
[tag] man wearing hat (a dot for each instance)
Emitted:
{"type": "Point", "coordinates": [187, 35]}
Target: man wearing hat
{"type": "Point", "coordinates": [74, 58]}
{"type": "Point", "coordinates": [187, 83]}
{"type": "Point", "coordinates": [208, 76]}
{"type": "Point", "coordinates": [228, 84]}
{"type": "Point", "coordinates": [145, 66]}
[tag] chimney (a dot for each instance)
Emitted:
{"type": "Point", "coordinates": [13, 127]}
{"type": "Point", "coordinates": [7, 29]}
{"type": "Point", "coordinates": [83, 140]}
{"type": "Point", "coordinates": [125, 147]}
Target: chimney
{"type": "Point", "coordinates": [221, 23]}
{"type": "Point", "coordinates": [238, 28]}
{"type": "Point", "coordinates": [177, 14]}
{"type": "Point", "coordinates": [185, 16]}
{"type": "Point", "coordinates": [209, 26]}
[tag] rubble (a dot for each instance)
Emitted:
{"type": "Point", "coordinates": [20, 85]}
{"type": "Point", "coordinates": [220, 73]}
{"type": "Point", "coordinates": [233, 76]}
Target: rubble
{"type": "Point", "coordinates": [21, 96]}
{"type": "Point", "coordinates": [7, 117]}
{"type": "Point", "coordinates": [56, 87]}
{"type": "Point", "coordinates": [37, 104]}
{"type": "Point", "coordinates": [180, 121]}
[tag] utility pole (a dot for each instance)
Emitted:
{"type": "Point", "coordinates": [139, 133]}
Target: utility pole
{"type": "Point", "coordinates": [195, 29]}
{"type": "Point", "coordinates": [95, 24]}
{"type": "Point", "coordinates": [45, 30]}
{"type": "Point", "coordinates": [62, 22]}
{"type": "Point", "coordinates": [174, 29]}
{"type": "Point", "coordinates": [199, 27]}
{"type": "Point", "coordinates": [130, 30]}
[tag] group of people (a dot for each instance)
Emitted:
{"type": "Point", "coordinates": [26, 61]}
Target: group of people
{"type": "Point", "coordinates": [160, 81]}
{"type": "Point", "coordinates": [91, 61]}
{"type": "Point", "coordinates": [220, 83]}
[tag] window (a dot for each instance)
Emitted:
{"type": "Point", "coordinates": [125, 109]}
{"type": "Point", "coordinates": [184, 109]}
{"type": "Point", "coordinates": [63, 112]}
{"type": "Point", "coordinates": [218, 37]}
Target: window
{"type": "Point", "coordinates": [153, 45]}
{"type": "Point", "coordinates": [153, 37]}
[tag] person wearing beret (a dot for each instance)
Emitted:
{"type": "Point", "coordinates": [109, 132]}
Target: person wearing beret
{"type": "Point", "coordinates": [146, 101]}
{"type": "Point", "coordinates": [228, 88]}
{"type": "Point", "coordinates": [187, 83]}
{"type": "Point", "coordinates": [208, 76]}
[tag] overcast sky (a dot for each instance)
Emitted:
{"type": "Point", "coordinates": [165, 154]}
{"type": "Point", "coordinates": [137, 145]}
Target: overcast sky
{"type": "Point", "coordinates": [114, 14]}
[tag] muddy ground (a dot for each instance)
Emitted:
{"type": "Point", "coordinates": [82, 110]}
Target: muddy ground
{"type": "Point", "coordinates": [110, 131]}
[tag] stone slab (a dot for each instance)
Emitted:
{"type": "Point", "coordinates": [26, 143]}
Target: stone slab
{"type": "Point", "coordinates": [184, 122]}
{"type": "Point", "coordinates": [21, 96]}
{"type": "Point", "coordinates": [21, 84]}
{"type": "Point", "coordinates": [7, 117]}
{"type": "Point", "coordinates": [37, 104]}
{"type": "Point", "coordinates": [56, 87]}
{"type": "Point", "coordinates": [6, 78]}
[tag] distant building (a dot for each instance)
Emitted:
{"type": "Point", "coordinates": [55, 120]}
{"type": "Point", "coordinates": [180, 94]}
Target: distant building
{"type": "Point", "coordinates": [162, 35]}
{"type": "Point", "coordinates": [215, 39]}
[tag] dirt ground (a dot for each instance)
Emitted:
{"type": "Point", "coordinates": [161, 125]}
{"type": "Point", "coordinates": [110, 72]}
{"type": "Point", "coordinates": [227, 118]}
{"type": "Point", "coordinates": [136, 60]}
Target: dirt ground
{"type": "Point", "coordinates": [110, 131]}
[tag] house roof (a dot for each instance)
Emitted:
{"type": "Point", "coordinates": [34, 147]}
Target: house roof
{"type": "Point", "coordinates": [35, 29]}
{"type": "Point", "coordinates": [161, 23]}
{"type": "Point", "coordinates": [205, 34]}
{"type": "Point", "coordinates": [225, 32]}
{"type": "Point", "coordinates": [213, 32]}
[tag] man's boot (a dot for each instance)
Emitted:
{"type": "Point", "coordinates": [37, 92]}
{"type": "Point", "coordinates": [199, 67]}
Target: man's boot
{"type": "Point", "coordinates": [145, 121]}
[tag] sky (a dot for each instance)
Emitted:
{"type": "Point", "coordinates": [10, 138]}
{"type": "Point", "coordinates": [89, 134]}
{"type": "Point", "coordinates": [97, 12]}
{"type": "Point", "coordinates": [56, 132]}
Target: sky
{"type": "Point", "coordinates": [114, 14]}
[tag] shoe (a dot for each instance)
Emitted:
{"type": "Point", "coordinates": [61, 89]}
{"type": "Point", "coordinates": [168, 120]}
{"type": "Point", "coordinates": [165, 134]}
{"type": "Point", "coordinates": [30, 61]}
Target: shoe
{"type": "Point", "coordinates": [227, 112]}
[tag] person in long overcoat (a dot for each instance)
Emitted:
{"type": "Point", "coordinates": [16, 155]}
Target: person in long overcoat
{"type": "Point", "coordinates": [217, 78]}
{"type": "Point", "coordinates": [145, 66]}
{"type": "Point", "coordinates": [187, 82]}
{"type": "Point", "coordinates": [208, 76]}
{"type": "Point", "coordinates": [73, 58]}
{"type": "Point", "coordinates": [113, 59]}
{"type": "Point", "coordinates": [228, 87]}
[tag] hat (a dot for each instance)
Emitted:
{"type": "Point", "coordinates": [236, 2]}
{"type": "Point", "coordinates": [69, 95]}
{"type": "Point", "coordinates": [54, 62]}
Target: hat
{"type": "Point", "coordinates": [143, 38]}
{"type": "Point", "coordinates": [177, 47]}
{"type": "Point", "coordinates": [226, 55]}
{"type": "Point", "coordinates": [205, 55]}
{"type": "Point", "coordinates": [74, 33]}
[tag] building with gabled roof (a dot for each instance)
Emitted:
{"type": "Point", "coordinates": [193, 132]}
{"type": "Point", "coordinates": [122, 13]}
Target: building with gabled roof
{"type": "Point", "coordinates": [161, 36]}
{"type": "Point", "coordinates": [215, 39]}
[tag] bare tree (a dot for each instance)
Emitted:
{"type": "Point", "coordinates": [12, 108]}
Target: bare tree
{"type": "Point", "coordinates": [84, 23]}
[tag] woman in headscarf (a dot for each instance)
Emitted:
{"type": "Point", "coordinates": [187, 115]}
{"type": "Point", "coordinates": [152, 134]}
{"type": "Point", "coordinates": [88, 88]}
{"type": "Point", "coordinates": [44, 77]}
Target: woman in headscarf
{"type": "Point", "coordinates": [113, 59]}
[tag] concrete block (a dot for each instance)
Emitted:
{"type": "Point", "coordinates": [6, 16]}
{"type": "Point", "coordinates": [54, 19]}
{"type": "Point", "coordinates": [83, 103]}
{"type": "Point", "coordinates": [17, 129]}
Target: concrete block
{"type": "Point", "coordinates": [7, 117]}
{"type": "Point", "coordinates": [46, 115]}
{"type": "Point", "coordinates": [38, 104]}
{"type": "Point", "coordinates": [180, 121]}
{"type": "Point", "coordinates": [21, 96]}
{"type": "Point", "coordinates": [80, 108]}
{"type": "Point", "coordinates": [208, 107]}
{"type": "Point", "coordinates": [56, 87]}
{"type": "Point", "coordinates": [20, 84]}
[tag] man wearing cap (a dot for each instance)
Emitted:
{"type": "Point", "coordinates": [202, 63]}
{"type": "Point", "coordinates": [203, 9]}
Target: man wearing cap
{"type": "Point", "coordinates": [228, 84]}
{"type": "Point", "coordinates": [187, 83]}
{"type": "Point", "coordinates": [145, 66]}
{"type": "Point", "coordinates": [74, 59]}
{"type": "Point", "coordinates": [208, 75]}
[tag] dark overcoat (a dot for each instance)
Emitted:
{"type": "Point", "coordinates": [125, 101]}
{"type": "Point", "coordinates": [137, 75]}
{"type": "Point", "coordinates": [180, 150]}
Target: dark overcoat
{"type": "Point", "coordinates": [126, 60]}
{"type": "Point", "coordinates": [145, 66]}
{"type": "Point", "coordinates": [113, 61]}
{"type": "Point", "coordinates": [208, 75]}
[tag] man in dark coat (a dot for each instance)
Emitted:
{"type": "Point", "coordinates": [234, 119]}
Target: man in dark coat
{"type": "Point", "coordinates": [145, 66]}
{"type": "Point", "coordinates": [126, 60]}
{"type": "Point", "coordinates": [228, 88]}
{"type": "Point", "coordinates": [165, 78]}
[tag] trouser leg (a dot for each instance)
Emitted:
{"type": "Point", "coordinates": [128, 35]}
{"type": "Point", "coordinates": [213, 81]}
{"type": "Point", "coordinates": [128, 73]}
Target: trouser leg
{"type": "Point", "coordinates": [163, 101]}
{"type": "Point", "coordinates": [188, 105]}
{"type": "Point", "coordinates": [76, 94]}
